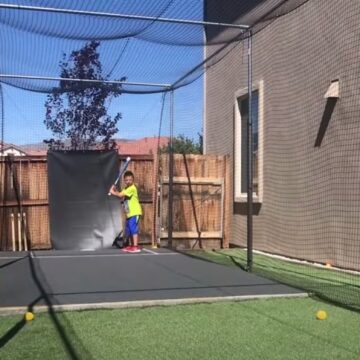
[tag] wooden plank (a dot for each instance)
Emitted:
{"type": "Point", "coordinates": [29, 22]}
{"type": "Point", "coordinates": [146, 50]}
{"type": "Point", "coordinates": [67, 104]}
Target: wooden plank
{"type": "Point", "coordinates": [146, 224]}
{"type": "Point", "coordinates": [194, 180]}
{"type": "Point", "coordinates": [43, 174]}
{"type": "Point", "coordinates": [138, 157]}
{"type": "Point", "coordinates": [31, 158]}
{"type": "Point", "coordinates": [155, 191]}
{"type": "Point", "coordinates": [2, 182]}
{"type": "Point", "coordinates": [193, 235]}
{"type": "Point", "coordinates": [13, 203]}
{"type": "Point", "coordinates": [38, 229]}
{"type": "Point", "coordinates": [187, 244]}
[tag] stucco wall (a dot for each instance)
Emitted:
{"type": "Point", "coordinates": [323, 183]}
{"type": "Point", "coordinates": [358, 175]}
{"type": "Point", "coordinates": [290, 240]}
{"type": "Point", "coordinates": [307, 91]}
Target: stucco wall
{"type": "Point", "coordinates": [311, 196]}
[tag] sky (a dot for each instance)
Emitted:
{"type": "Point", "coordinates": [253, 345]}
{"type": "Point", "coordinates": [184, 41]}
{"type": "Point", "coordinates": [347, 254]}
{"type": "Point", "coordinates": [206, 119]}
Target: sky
{"type": "Point", "coordinates": [24, 114]}
{"type": "Point", "coordinates": [32, 43]}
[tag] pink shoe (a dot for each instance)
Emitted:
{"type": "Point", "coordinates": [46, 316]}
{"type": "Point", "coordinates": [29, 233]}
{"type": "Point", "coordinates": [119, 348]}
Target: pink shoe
{"type": "Point", "coordinates": [134, 249]}
{"type": "Point", "coordinates": [127, 248]}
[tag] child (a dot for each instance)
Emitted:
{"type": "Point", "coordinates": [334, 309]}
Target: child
{"type": "Point", "coordinates": [132, 209]}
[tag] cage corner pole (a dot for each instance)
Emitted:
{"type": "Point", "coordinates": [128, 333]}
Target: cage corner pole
{"type": "Point", "coordinates": [250, 162]}
{"type": "Point", "coordinates": [171, 171]}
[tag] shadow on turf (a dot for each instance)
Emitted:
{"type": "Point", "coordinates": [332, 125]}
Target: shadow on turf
{"type": "Point", "coordinates": [291, 325]}
{"type": "Point", "coordinates": [63, 331]}
{"type": "Point", "coordinates": [12, 333]}
{"type": "Point", "coordinates": [334, 294]}
{"type": "Point", "coordinates": [324, 292]}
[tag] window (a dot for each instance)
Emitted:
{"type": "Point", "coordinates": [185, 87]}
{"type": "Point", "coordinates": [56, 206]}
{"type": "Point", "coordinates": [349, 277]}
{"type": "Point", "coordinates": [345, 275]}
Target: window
{"type": "Point", "coordinates": [240, 148]}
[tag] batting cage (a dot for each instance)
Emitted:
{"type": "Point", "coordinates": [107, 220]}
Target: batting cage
{"type": "Point", "coordinates": [237, 122]}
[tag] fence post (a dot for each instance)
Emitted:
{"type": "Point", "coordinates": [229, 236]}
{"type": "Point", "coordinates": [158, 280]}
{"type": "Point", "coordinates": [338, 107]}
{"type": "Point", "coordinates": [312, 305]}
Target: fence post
{"type": "Point", "coordinates": [227, 203]}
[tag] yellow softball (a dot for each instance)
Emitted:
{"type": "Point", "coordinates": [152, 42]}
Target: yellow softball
{"type": "Point", "coordinates": [321, 315]}
{"type": "Point", "coordinates": [29, 316]}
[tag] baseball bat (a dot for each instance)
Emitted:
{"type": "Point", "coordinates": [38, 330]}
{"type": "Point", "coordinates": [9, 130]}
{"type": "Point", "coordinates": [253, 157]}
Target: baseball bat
{"type": "Point", "coordinates": [121, 171]}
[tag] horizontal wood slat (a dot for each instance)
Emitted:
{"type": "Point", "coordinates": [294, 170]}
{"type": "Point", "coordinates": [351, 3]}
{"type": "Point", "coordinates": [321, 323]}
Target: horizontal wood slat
{"type": "Point", "coordinates": [193, 235]}
{"type": "Point", "coordinates": [194, 180]}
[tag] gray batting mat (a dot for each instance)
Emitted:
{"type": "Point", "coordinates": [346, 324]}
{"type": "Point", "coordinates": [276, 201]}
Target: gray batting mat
{"type": "Point", "coordinates": [83, 277]}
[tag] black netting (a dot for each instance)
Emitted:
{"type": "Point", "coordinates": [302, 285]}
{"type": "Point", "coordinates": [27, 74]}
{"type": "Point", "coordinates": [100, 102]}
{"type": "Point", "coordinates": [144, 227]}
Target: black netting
{"type": "Point", "coordinates": [188, 80]}
{"type": "Point", "coordinates": [33, 31]}
{"type": "Point", "coordinates": [306, 172]}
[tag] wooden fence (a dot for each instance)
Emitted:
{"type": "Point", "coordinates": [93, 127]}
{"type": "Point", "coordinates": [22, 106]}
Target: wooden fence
{"type": "Point", "coordinates": [201, 200]}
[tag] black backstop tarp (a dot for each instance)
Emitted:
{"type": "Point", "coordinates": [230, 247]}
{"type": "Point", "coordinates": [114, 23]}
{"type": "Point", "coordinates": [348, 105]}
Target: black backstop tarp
{"type": "Point", "coordinates": [82, 215]}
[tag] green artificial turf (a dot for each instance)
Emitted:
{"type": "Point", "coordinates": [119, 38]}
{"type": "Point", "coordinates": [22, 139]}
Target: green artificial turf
{"type": "Point", "coordinates": [327, 283]}
{"type": "Point", "coordinates": [257, 329]}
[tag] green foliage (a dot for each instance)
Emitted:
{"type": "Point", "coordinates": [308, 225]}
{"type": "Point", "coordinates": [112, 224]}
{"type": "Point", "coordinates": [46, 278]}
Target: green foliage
{"type": "Point", "coordinates": [77, 113]}
{"type": "Point", "coordinates": [185, 145]}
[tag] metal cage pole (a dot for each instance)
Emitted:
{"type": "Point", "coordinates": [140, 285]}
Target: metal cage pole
{"type": "Point", "coordinates": [171, 171]}
{"type": "Point", "coordinates": [119, 16]}
{"type": "Point", "coordinates": [90, 81]}
{"type": "Point", "coordinates": [250, 162]}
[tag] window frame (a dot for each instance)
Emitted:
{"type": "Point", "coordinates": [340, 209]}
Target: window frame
{"type": "Point", "coordinates": [238, 96]}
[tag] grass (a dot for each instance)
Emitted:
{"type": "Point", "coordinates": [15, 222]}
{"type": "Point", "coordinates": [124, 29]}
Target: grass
{"type": "Point", "coordinates": [327, 283]}
{"type": "Point", "coordinates": [259, 329]}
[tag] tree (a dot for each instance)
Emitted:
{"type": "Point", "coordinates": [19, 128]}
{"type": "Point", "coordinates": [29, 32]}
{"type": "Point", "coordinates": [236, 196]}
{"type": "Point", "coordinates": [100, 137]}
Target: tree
{"type": "Point", "coordinates": [76, 113]}
{"type": "Point", "coordinates": [185, 145]}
